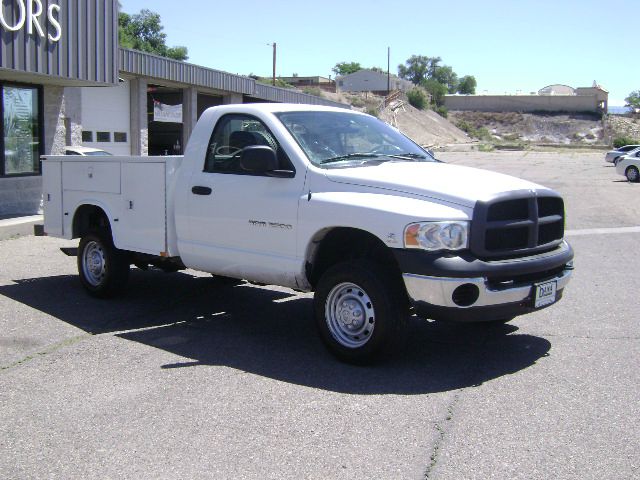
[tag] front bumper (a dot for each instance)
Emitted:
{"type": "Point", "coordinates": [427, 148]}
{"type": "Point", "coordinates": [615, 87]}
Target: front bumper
{"type": "Point", "coordinates": [468, 289]}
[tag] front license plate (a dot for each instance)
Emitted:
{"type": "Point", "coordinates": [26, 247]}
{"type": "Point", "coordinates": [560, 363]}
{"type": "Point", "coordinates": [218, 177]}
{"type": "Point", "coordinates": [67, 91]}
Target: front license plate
{"type": "Point", "coordinates": [545, 293]}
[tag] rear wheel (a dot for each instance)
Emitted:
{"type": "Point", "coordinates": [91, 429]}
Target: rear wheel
{"type": "Point", "coordinates": [103, 269]}
{"type": "Point", "coordinates": [632, 174]}
{"type": "Point", "coordinates": [359, 311]}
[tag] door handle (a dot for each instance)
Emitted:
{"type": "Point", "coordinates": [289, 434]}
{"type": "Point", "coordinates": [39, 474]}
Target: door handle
{"type": "Point", "coordinates": [198, 190]}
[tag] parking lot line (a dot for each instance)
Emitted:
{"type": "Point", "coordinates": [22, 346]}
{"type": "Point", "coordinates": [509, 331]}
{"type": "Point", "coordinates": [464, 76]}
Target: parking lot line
{"type": "Point", "coordinates": [601, 231]}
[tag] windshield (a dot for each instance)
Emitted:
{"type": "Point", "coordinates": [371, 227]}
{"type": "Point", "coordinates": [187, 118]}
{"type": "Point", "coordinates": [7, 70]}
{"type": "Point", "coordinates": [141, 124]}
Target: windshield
{"type": "Point", "coordinates": [348, 139]}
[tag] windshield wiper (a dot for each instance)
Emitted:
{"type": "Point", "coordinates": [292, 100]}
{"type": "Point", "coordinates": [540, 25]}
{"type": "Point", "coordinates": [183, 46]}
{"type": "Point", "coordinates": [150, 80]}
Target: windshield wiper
{"type": "Point", "coordinates": [406, 156]}
{"type": "Point", "coordinates": [351, 155]}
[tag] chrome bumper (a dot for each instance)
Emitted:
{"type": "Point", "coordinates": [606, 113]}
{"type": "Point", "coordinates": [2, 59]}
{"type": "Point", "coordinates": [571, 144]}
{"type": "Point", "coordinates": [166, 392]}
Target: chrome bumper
{"type": "Point", "coordinates": [438, 291]}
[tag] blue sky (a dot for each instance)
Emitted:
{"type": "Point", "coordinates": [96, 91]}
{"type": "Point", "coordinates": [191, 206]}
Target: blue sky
{"type": "Point", "coordinates": [509, 46]}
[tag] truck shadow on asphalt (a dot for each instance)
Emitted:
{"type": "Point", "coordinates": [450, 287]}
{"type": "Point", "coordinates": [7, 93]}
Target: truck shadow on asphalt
{"type": "Point", "coordinates": [271, 333]}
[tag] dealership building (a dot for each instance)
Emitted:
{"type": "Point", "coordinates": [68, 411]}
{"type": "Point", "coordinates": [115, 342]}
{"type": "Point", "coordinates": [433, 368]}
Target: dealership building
{"type": "Point", "coordinates": [64, 81]}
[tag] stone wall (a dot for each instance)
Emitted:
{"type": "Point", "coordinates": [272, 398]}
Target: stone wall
{"type": "Point", "coordinates": [20, 196]}
{"type": "Point", "coordinates": [523, 103]}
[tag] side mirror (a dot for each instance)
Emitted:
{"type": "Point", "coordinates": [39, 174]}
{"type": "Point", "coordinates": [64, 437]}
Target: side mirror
{"type": "Point", "coordinates": [258, 159]}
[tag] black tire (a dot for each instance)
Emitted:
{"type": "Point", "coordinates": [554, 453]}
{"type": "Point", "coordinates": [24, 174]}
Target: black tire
{"type": "Point", "coordinates": [103, 269]}
{"type": "Point", "coordinates": [360, 311]}
{"type": "Point", "coordinates": [632, 174]}
{"type": "Point", "coordinates": [615, 161]}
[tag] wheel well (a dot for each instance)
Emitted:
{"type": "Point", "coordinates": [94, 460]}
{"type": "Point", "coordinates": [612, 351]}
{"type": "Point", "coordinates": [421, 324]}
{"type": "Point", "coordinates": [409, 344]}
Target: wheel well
{"type": "Point", "coordinates": [344, 244]}
{"type": "Point", "coordinates": [89, 218]}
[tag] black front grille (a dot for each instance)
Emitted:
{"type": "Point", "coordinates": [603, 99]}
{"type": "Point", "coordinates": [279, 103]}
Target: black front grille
{"type": "Point", "coordinates": [519, 224]}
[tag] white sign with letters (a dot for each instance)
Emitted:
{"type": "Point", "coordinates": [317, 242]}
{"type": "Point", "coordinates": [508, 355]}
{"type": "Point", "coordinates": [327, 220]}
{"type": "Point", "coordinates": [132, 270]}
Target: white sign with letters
{"type": "Point", "coordinates": [29, 16]}
{"type": "Point", "coordinates": [167, 113]}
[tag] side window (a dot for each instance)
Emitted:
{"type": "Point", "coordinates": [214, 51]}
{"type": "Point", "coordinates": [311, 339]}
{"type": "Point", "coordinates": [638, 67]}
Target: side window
{"type": "Point", "coordinates": [233, 133]}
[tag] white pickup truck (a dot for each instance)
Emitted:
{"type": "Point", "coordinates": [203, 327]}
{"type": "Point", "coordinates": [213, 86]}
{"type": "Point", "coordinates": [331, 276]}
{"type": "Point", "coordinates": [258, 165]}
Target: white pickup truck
{"type": "Point", "coordinates": [318, 199]}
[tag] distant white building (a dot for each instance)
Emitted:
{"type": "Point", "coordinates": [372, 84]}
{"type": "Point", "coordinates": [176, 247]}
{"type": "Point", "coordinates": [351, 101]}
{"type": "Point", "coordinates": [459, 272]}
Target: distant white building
{"type": "Point", "coordinates": [557, 90]}
{"type": "Point", "coordinates": [371, 81]}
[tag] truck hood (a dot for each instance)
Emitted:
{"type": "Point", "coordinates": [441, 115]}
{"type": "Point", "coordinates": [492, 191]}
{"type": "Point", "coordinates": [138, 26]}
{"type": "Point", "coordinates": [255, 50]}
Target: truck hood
{"type": "Point", "coordinates": [451, 183]}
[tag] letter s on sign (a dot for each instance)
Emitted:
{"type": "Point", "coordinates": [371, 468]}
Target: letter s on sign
{"type": "Point", "coordinates": [54, 22]}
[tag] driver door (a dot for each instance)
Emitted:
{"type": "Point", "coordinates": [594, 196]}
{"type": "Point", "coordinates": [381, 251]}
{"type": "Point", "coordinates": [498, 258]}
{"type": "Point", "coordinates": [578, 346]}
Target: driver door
{"type": "Point", "coordinates": [243, 224]}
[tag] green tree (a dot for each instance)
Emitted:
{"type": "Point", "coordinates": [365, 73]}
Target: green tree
{"type": "Point", "coordinates": [418, 68]}
{"type": "Point", "coordinates": [633, 100]}
{"type": "Point", "coordinates": [446, 76]}
{"type": "Point", "coordinates": [437, 91]}
{"type": "Point", "coordinates": [345, 68]}
{"type": "Point", "coordinates": [144, 31]}
{"type": "Point", "coordinates": [467, 85]}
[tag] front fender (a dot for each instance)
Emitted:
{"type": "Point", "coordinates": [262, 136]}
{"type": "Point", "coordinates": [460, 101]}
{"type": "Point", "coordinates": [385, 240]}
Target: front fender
{"type": "Point", "coordinates": [383, 215]}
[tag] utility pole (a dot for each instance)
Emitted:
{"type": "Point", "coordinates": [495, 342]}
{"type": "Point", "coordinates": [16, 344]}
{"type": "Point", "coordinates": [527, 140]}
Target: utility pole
{"type": "Point", "coordinates": [274, 64]}
{"type": "Point", "coordinates": [388, 74]}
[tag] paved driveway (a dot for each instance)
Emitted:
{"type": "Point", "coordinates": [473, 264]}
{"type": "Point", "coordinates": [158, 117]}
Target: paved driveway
{"type": "Point", "coordinates": [185, 379]}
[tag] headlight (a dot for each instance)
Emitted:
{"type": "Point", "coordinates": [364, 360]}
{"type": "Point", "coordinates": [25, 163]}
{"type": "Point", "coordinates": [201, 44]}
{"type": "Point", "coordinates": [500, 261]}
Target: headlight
{"type": "Point", "coordinates": [434, 236]}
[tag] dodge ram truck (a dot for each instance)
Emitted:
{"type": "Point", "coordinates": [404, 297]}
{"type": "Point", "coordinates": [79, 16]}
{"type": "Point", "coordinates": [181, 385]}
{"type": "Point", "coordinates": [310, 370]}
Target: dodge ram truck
{"type": "Point", "coordinates": [322, 200]}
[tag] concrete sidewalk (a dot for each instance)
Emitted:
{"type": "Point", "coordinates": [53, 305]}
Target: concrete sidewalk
{"type": "Point", "coordinates": [18, 226]}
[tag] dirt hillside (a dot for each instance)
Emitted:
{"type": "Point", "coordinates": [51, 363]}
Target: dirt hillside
{"type": "Point", "coordinates": [540, 128]}
{"type": "Point", "coordinates": [425, 127]}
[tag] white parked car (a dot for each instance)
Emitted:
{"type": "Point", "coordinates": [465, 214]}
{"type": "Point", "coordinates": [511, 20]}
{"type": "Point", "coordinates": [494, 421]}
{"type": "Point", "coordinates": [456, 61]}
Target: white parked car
{"type": "Point", "coordinates": [614, 156]}
{"type": "Point", "coordinates": [629, 165]}
{"type": "Point", "coordinates": [84, 151]}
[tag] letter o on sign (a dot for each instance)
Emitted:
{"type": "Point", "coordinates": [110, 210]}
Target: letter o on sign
{"type": "Point", "coordinates": [21, 17]}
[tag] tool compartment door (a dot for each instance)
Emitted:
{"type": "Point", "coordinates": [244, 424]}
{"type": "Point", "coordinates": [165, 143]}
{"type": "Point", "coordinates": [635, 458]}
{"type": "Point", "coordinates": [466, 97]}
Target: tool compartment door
{"type": "Point", "coordinates": [142, 223]}
{"type": "Point", "coordinates": [52, 197]}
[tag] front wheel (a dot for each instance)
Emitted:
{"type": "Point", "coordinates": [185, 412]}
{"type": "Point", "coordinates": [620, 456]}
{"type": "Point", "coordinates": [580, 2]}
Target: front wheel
{"type": "Point", "coordinates": [103, 269]}
{"type": "Point", "coordinates": [359, 311]}
{"type": "Point", "coordinates": [632, 174]}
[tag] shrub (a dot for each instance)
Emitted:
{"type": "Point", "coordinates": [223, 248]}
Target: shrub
{"type": "Point", "coordinates": [417, 98]}
{"type": "Point", "coordinates": [372, 111]}
{"type": "Point", "coordinates": [480, 133]}
{"type": "Point", "coordinates": [313, 91]}
{"type": "Point", "coordinates": [357, 102]}
{"type": "Point", "coordinates": [465, 126]}
{"type": "Point", "coordinates": [442, 111]}
{"type": "Point", "coordinates": [622, 141]}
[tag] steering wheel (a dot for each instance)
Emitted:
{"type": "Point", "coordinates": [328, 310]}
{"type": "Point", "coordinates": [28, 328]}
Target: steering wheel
{"type": "Point", "coordinates": [228, 150]}
{"type": "Point", "coordinates": [387, 148]}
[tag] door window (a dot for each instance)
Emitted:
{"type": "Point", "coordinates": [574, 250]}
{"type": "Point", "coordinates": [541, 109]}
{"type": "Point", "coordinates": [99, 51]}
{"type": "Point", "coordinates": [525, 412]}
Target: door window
{"type": "Point", "coordinates": [231, 135]}
{"type": "Point", "coordinates": [21, 130]}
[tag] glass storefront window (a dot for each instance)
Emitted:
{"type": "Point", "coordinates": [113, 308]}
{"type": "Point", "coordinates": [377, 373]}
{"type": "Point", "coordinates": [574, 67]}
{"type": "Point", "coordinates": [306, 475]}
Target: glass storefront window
{"type": "Point", "coordinates": [21, 130]}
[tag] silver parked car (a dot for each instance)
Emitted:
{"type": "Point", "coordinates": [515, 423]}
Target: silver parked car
{"type": "Point", "coordinates": [629, 165]}
{"type": "Point", "coordinates": [84, 151]}
{"type": "Point", "coordinates": [615, 155]}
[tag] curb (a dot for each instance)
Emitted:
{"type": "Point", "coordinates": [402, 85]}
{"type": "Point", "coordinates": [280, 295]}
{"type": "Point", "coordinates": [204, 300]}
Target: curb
{"type": "Point", "coordinates": [19, 226]}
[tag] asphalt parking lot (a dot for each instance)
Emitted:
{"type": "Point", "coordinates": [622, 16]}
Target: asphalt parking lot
{"type": "Point", "coordinates": [184, 379]}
